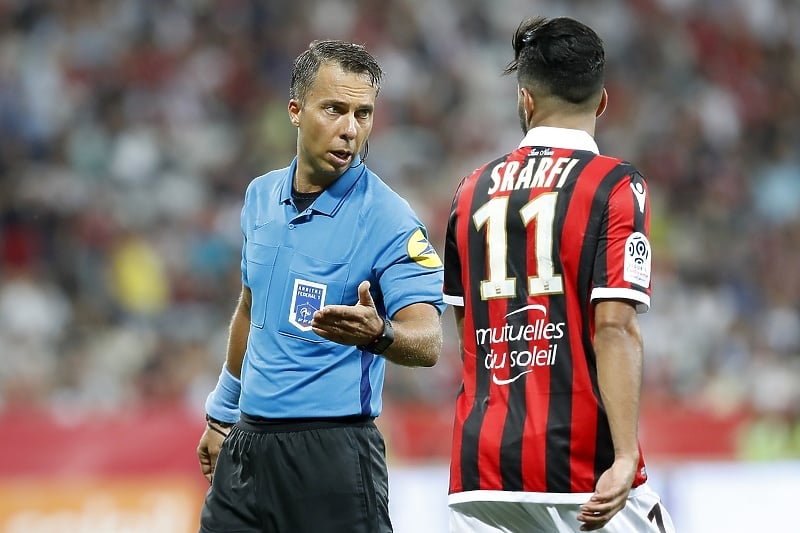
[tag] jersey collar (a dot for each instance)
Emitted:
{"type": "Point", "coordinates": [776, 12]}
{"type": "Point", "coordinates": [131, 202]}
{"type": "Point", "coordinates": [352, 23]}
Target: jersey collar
{"type": "Point", "coordinates": [332, 197]}
{"type": "Point", "coordinates": [559, 138]}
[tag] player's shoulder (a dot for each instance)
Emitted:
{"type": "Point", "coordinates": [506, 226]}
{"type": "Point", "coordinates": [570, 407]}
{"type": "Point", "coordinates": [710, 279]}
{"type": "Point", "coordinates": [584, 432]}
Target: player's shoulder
{"type": "Point", "coordinates": [611, 171]}
{"type": "Point", "coordinates": [618, 164]}
{"type": "Point", "coordinates": [481, 171]}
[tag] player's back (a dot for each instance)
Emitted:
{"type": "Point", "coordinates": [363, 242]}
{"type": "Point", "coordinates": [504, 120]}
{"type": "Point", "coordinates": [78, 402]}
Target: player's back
{"type": "Point", "coordinates": [535, 236]}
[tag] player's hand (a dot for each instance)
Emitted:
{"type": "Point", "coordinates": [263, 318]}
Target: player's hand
{"type": "Point", "coordinates": [208, 450]}
{"type": "Point", "coordinates": [349, 324]}
{"type": "Point", "coordinates": [610, 494]}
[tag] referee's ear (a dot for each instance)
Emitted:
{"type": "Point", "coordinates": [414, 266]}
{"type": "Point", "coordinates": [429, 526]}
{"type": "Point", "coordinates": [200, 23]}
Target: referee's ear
{"type": "Point", "coordinates": [601, 107]}
{"type": "Point", "coordinates": [294, 108]}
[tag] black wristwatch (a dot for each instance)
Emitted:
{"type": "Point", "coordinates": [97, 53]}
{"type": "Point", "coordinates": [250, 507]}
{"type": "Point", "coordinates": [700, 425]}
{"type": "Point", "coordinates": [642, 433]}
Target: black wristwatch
{"type": "Point", "coordinates": [379, 344]}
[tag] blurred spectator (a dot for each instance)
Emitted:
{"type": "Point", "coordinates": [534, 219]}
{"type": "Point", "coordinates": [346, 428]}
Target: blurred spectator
{"type": "Point", "coordinates": [131, 128]}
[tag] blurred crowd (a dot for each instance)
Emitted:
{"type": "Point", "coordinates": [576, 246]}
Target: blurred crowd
{"type": "Point", "coordinates": [129, 130]}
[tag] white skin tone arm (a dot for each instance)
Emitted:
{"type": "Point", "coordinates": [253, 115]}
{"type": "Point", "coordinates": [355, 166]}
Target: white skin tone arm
{"type": "Point", "coordinates": [211, 441]}
{"type": "Point", "coordinates": [417, 328]}
{"type": "Point", "coordinates": [239, 333]}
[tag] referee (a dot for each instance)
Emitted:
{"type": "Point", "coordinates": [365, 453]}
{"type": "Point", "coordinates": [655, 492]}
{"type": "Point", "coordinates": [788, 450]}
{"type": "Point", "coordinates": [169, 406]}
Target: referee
{"type": "Point", "coordinates": [337, 277]}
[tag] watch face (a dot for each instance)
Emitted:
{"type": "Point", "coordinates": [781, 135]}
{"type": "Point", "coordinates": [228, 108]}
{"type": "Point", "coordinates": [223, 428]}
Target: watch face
{"type": "Point", "coordinates": [381, 345]}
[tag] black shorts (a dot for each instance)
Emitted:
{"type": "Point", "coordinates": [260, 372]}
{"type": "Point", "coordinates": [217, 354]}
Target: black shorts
{"type": "Point", "coordinates": [302, 476]}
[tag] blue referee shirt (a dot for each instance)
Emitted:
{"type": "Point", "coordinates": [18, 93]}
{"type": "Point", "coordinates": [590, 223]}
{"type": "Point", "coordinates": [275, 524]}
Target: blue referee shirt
{"type": "Point", "coordinates": [295, 263]}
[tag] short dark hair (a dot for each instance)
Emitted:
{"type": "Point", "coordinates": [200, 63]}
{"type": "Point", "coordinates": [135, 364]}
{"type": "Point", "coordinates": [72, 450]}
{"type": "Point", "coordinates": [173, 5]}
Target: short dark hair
{"type": "Point", "coordinates": [350, 57]}
{"type": "Point", "coordinates": [560, 56]}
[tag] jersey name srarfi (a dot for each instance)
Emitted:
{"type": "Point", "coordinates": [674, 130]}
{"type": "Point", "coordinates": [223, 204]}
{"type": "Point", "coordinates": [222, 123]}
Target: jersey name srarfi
{"type": "Point", "coordinates": [537, 172]}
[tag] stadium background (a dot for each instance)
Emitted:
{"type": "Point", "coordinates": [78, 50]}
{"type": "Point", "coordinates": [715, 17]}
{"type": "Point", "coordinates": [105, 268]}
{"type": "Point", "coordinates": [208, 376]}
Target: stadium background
{"type": "Point", "coordinates": [130, 128]}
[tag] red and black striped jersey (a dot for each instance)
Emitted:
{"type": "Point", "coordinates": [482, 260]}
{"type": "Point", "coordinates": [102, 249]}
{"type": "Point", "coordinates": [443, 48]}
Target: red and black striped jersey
{"type": "Point", "coordinates": [533, 239]}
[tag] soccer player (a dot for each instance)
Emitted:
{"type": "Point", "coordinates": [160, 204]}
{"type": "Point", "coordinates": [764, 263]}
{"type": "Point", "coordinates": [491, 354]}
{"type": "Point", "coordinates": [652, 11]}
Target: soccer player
{"type": "Point", "coordinates": [338, 277]}
{"type": "Point", "coordinates": [547, 263]}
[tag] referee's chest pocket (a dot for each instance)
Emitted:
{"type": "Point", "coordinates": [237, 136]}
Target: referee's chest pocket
{"type": "Point", "coordinates": [311, 284]}
{"type": "Point", "coordinates": [260, 266]}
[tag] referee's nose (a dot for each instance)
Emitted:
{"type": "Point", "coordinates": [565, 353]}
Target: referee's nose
{"type": "Point", "coordinates": [350, 125]}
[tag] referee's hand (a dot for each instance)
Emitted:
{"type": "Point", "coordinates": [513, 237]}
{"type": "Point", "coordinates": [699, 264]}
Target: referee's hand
{"type": "Point", "coordinates": [349, 324]}
{"type": "Point", "coordinates": [208, 450]}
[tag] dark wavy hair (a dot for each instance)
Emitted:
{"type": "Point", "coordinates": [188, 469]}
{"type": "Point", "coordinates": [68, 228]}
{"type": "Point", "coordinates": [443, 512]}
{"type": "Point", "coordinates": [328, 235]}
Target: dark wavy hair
{"type": "Point", "coordinates": [560, 57]}
{"type": "Point", "coordinates": [350, 57]}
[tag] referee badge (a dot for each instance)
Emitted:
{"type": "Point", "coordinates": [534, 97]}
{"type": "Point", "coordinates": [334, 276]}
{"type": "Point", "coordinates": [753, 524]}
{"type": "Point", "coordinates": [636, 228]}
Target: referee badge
{"type": "Point", "coordinates": [307, 297]}
{"type": "Point", "coordinates": [421, 251]}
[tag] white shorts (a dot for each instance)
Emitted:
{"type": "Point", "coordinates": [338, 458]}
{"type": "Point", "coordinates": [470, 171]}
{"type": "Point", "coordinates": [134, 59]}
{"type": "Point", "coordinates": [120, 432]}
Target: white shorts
{"type": "Point", "coordinates": [488, 512]}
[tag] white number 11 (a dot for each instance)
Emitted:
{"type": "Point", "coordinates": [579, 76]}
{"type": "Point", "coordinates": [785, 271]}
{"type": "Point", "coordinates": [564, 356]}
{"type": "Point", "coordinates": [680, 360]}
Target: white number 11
{"type": "Point", "coordinates": [493, 215]}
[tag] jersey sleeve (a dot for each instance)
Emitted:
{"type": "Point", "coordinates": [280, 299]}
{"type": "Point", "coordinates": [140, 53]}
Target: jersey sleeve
{"type": "Point", "coordinates": [453, 289]}
{"type": "Point", "coordinates": [624, 258]}
{"type": "Point", "coordinates": [245, 224]}
{"type": "Point", "coordinates": [407, 267]}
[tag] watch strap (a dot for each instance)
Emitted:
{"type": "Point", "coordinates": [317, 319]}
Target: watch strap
{"type": "Point", "coordinates": [382, 341]}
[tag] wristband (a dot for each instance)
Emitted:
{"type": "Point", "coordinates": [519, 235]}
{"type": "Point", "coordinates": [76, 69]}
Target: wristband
{"type": "Point", "coordinates": [223, 402]}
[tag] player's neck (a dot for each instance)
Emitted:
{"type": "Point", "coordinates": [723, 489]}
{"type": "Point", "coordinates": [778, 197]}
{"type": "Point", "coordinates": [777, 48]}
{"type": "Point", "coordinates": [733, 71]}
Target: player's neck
{"type": "Point", "coordinates": [573, 122]}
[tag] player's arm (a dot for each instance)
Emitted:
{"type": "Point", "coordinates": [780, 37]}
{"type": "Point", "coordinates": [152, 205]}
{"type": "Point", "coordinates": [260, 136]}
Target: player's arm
{"type": "Point", "coordinates": [222, 406]}
{"type": "Point", "coordinates": [618, 347]}
{"type": "Point", "coordinates": [417, 328]}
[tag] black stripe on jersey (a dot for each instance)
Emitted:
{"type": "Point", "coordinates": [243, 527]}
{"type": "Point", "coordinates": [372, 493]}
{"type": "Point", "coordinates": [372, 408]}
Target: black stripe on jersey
{"type": "Point", "coordinates": [604, 455]}
{"type": "Point", "coordinates": [514, 427]}
{"type": "Point", "coordinates": [639, 216]}
{"type": "Point", "coordinates": [601, 201]}
{"type": "Point", "coordinates": [452, 276]}
{"type": "Point", "coordinates": [559, 416]}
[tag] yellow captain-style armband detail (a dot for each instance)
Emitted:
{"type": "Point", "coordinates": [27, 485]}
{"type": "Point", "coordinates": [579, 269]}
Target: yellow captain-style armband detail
{"type": "Point", "coordinates": [421, 251]}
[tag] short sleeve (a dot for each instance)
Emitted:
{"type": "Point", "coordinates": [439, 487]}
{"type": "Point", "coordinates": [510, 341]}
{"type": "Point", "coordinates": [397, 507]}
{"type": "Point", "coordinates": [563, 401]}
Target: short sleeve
{"type": "Point", "coordinates": [453, 289]}
{"type": "Point", "coordinates": [624, 256]}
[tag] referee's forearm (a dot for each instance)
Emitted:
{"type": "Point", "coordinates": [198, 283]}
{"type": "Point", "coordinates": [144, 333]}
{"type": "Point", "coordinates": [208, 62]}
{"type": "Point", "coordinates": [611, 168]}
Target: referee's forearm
{"type": "Point", "coordinates": [238, 334]}
{"type": "Point", "coordinates": [416, 343]}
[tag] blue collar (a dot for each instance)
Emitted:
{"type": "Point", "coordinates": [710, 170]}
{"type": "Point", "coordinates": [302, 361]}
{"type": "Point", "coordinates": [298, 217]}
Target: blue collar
{"type": "Point", "coordinates": [331, 198]}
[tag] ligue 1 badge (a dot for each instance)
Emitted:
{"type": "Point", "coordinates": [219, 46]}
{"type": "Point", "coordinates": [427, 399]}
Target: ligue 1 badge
{"type": "Point", "coordinates": [637, 260]}
{"type": "Point", "coordinates": [307, 297]}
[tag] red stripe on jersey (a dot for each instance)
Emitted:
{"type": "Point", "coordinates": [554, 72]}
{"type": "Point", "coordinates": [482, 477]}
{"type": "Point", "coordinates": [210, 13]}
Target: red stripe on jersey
{"type": "Point", "coordinates": [491, 435]}
{"type": "Point", "coordinates": [464, 401]}
{"type": "Point", "coordinates": [461, 414]}
{"type": "Point", "coordinates": [537, 395]}
{"type": "Point", "coordinates": [584, 405]}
